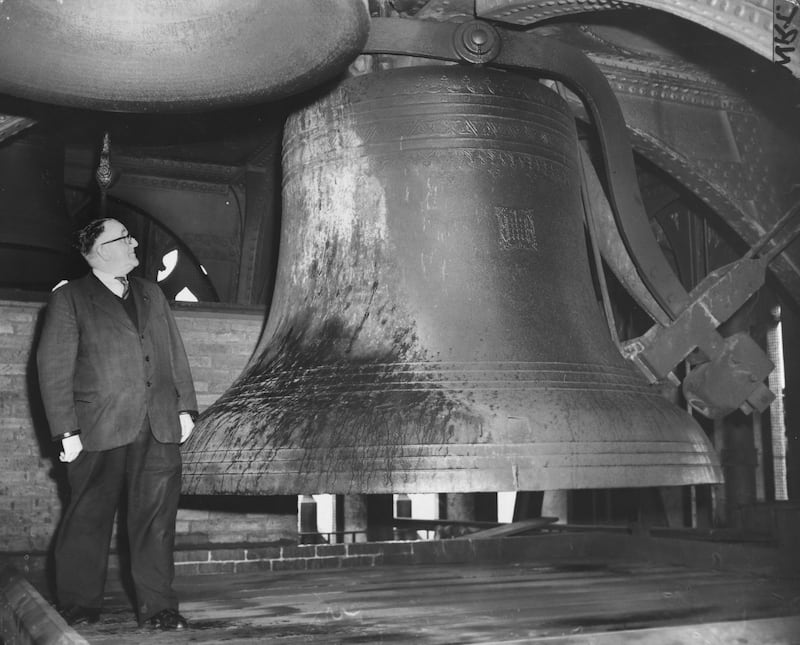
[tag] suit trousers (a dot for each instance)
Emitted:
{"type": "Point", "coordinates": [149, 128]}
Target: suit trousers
{"type": "Point", "coordinates": [150, 474]}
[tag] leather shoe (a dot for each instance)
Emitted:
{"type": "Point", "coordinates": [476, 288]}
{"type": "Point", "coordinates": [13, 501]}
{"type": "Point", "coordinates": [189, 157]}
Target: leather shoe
{"type": "Point", "coordinates": [168, 619]}
{"type": "Point", "coordinates": [77, 615]}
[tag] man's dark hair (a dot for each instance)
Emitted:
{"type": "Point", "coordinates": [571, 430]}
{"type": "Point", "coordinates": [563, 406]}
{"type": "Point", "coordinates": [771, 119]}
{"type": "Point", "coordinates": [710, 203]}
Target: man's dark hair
{"type": "Point", "coordinates": [87, 236]}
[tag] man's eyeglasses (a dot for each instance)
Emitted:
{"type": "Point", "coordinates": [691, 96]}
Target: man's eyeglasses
{"type": "Point", "coordinates": [128, 239]}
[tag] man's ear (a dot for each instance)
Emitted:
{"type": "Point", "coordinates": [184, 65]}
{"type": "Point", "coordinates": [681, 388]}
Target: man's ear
{"type": "Point", "coordinates": [99, 252]}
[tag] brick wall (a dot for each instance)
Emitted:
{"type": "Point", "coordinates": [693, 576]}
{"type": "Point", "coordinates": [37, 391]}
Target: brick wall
{"type": "Point", "coordinates": [218, 342]}
{"type": "Point", "coordinates": [29, 502]}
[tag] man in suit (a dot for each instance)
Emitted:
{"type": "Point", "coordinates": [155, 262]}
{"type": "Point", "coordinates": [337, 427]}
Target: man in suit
{"type": "Point", "coordinates": [118, 395]}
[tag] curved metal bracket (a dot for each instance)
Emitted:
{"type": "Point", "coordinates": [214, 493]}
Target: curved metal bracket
{"type": "Point", "coordinates": [551, 59]}
{"type": "Point", "coordinates": [677, 331]}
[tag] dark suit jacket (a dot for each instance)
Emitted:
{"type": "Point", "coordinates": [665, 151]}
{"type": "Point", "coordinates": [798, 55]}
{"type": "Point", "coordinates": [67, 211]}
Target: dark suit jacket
{"type": "Point", "coordinates": [100, 374]}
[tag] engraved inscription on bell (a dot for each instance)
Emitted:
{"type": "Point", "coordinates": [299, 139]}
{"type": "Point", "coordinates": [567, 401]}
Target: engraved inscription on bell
{"type": "Point", "coordinates": [516, 229]}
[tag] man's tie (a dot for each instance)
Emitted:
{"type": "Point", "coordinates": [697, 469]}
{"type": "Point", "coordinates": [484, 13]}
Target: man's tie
{"type": "Point", "coordinates": [125, 287]}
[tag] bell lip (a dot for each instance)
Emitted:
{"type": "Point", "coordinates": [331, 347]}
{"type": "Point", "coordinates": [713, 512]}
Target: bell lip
{"type": "Point", "coordinates": [209, 483]}
{"type": "Point", "coordinates": [477, 449]}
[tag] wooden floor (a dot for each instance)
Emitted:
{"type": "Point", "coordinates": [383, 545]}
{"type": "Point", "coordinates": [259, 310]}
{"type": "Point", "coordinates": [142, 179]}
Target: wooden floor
{"type": "Point", "coordinates": [570, 602]}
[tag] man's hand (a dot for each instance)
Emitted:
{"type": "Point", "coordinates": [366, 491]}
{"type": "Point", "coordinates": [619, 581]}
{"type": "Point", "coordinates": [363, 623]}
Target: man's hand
{"type": "Point", "coordinates": [70, 448]}
{"type": "Point", "coordinates": [187, 425]}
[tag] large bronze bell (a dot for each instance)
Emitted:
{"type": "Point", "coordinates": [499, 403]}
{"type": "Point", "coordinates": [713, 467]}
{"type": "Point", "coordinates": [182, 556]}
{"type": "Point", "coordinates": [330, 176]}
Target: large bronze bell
{"type": "Point", "coordinates": [434, 327]}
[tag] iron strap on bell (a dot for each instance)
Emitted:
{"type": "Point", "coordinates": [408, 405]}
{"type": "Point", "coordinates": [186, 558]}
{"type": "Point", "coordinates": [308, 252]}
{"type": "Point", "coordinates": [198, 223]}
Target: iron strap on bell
{"type": "Point", "coordinates": [434, 326]}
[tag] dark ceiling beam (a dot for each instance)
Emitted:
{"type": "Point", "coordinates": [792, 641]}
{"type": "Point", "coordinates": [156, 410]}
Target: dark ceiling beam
{"type": "Point", "coordinates": [746, 22]}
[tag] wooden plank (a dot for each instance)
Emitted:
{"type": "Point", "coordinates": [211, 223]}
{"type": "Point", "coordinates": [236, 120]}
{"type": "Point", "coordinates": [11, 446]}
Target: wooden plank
{"type": "Point", "coordinates": [514, 528]}
{"type": "Point", "coordinates": [766, 631]}
{"type": "Point", "coordinates": [26, 617]}
{"type": "Point", "coordinates": [526, 602]}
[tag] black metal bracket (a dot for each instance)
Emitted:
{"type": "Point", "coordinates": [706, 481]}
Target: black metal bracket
{"type": "Point", "coordinates": [733, 374]}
